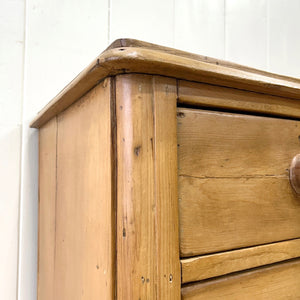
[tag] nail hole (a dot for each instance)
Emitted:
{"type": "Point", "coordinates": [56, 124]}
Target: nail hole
{"type": "Point", "coordinates": [180, 115]}
{"type": "Point", "coordinates": [137, 150]}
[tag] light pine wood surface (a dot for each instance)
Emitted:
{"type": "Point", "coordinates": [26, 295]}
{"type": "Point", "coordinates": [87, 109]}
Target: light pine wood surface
{"type": "Point", "coordinates": [147, 229]}
{"type": "Point", "coordinates": [278, 282]}
{"type": "Point", "coordinates": [127, 43]}
{"type": "Point", "coordinates": [84, 229]}
{"type": "Point", "coordinates": [234, 189]}
{"type": "Point", "coordinates": [224, 98]}
{"type": "Point", "coordinates": [166, 193]}
{"type": "Point", "coordinates": [207, 266]}
{"type": "Point", "coordinates": [47, 209]}
{"type": "Point", "coordinates": [216, 144]}
{"type": "Point", "coordinates": [141, 57]}
{"type": "Point", "coordinates": [224, 214]}
{"type": "Point", "coordinates": [76, 248]}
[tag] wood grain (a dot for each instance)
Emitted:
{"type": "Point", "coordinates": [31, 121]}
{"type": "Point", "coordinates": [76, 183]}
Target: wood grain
{"type": "Point", "coordinates": [135, 214]}
{"type": "Point", "coordinates": [147, 216]}
{"type": "Point", "coordinates": [47, 207]}
{"type": "Point", "coordinates": [157, 61]}
{"type": "Point", "coordinates": [280, 281]}
{"type": "Point", "coordinates": [234, 181]}
{"type": "Point", "coordinates": [213, 144]}
{"type": "Point", "coordinates": [229, 213]}
{"type": "Point", "coordinates": [127, 43]}
{"type": "Point", "coordinates": [84, 250]}
{"type": "Point", "coordinates": [165, 125]}
{"type": "Point", "coordinates": [205, 95]}
{"type": "Point", "coordinates": [208, 266]}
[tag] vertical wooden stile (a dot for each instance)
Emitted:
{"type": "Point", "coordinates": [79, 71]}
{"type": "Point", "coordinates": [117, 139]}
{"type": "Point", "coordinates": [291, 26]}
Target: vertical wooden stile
{"type": "Point", "coordinates": [165, 125]}
{"type": "Point", "coordinates": [47, 203]}
{"type": "Point", "coordinates": [147, 213]}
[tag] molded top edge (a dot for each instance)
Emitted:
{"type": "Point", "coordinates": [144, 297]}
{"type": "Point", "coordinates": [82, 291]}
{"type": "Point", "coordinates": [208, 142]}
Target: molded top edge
{"type": "Point", "coordinates": [133, 56]}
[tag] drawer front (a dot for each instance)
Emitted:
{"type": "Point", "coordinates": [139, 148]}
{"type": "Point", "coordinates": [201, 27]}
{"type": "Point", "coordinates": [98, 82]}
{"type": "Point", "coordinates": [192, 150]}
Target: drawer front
{"type": "Point", "coordinates": [280, 281]}
{"type": "Point", "coordinates": [234, 189]}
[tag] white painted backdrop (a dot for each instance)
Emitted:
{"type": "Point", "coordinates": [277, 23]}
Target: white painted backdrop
{"type": "Point", "coordinates": [45, 43]}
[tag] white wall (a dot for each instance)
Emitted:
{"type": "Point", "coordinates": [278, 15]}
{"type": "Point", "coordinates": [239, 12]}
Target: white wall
{"type": "Point", "coordinates": [11, 89]}
{"type": "Point", "coordinates": [45, 43]}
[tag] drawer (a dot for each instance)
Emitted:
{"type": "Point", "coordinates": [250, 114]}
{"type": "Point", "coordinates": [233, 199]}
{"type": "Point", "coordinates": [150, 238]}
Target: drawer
{"type": "Point", "coordinates": [281, 281]}
{"type": "Point", "coordinates": [234, 188]}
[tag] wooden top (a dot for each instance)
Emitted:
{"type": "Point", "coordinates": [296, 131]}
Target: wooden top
{"type": "Point", "coordinates": [132, 56]}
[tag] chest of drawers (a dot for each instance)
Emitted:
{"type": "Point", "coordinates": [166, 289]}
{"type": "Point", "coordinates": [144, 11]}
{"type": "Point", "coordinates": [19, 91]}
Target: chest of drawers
{"type": "Point", "coordinates": [165, 175]}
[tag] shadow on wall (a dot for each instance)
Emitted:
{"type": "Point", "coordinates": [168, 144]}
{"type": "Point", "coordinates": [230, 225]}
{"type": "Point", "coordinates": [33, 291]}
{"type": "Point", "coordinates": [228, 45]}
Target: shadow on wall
{"type": "Point", "coordinates": [29, 210]}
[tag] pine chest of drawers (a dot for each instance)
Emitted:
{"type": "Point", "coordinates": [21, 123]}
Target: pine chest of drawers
{"type": "Point", "coordinates": [168, 175]}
